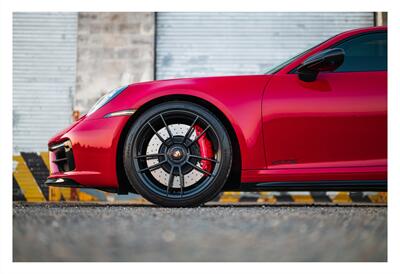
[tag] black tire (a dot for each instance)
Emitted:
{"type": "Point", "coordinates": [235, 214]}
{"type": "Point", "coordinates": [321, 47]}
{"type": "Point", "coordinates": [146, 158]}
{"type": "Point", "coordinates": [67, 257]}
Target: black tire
{"type": "Point", "coordinates": [177, 155]}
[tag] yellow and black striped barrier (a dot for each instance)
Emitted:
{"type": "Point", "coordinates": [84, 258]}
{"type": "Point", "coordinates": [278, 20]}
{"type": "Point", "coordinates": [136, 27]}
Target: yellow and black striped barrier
{"type": "Point", "coordinates": [303, 197]}
{"type": "Point", "coordinates": [29, 174]}
{"type": "Point", "coordinates": [31, 170]}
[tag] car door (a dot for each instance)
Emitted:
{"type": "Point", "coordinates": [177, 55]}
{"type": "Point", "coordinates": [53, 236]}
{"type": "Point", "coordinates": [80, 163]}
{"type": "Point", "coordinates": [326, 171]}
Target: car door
{"type": "Point", "coordinates": [338, 120]}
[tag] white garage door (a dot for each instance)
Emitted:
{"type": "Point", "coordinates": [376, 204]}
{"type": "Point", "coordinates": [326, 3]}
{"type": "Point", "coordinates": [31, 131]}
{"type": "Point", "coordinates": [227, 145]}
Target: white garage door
{"type": "Point", "coordinates": [44, 60]}
{"type": "Point", "coordinates": [204, 44]}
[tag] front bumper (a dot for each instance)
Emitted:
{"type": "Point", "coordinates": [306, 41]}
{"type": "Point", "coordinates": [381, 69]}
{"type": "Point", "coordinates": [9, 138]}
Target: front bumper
{"type": "Point", "coordinates": [62, 182]}
{"type": "Point", "coordinates": [86, 153]}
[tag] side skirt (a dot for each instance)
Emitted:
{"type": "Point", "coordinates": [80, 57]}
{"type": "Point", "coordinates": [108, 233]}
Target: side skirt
{"type": "Point", "coordinates": [316, 186]}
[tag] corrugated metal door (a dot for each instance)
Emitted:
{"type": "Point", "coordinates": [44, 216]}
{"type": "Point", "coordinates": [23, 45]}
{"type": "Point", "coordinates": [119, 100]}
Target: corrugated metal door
{"type": "Point", "coordinates": [202, 44]}
{"type": "Point", "coordinates": [44, 65]}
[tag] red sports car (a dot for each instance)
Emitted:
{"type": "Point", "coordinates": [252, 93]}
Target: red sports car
{"type": "Point", "coordinates": [316, 122]}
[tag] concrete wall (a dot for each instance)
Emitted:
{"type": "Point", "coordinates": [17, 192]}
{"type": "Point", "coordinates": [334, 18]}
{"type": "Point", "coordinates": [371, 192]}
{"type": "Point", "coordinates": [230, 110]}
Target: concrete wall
{"type": "Point", "coordinates": [114, 49]}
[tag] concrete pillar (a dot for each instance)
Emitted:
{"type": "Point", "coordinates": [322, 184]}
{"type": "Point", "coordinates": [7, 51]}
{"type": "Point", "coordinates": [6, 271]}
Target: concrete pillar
{"type": "Point", "coordinates": [114, 49]}
{"type": "Point", "coordinates": [380, 18]}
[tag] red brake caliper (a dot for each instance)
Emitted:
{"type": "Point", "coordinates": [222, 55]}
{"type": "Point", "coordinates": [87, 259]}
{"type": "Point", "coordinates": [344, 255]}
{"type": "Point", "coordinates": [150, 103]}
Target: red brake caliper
{"type": "Point", "coordinates": [206, 150]}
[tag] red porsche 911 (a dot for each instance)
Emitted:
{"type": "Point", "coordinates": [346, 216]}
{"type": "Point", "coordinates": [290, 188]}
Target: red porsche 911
{"type": "Point", "coordinates": [316, 122]}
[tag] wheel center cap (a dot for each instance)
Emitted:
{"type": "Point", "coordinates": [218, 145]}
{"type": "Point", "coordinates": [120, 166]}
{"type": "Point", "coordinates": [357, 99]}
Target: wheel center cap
{"type": "Point", "coordinates": [176, 153]}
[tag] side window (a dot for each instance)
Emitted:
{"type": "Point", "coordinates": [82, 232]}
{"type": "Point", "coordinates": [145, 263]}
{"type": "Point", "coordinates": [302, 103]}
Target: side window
{"type": "Point", "coordinates": [367, 52]}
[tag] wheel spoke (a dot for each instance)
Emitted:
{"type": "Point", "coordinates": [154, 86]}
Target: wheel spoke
{"type": "Point", "coordinates": [170, 180]}
{"type": "Point", "coordinates": [166, 126]}
{"type": "Point", "coordinates": [161, 162]}
{"type": "Point", "coordinates": [190, 130]}
{"type": "Point", "coordinates": [149, 156]}
{"type": "Point", "coordinates": [181, 180]}
{"type": "Point", "coordinates": [203, 158]}
{"type": "Point", "coordinates": [198, 137]}
{"type": "Point", "coordinates": [158, 135]}
{"type": "Point", "coordinates": [153, 167]}
{"type": "Point", "coordinates": [198, 168]}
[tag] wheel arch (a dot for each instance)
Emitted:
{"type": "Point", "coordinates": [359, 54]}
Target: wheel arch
{"type": "Point", "coordinates": [233, 181]}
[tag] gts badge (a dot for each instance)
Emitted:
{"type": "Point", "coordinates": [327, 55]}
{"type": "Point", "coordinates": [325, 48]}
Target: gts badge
{"type": "Point", "coordinates": [284, 162]}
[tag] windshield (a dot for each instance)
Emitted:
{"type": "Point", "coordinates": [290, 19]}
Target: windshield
{"type": "Point", "coordinates": [282, 65]}
{"type": "Point", "coordinates": [277, 68]}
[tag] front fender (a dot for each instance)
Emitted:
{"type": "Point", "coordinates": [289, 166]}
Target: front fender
{"type": "Point", "coordinates": [237, 97]}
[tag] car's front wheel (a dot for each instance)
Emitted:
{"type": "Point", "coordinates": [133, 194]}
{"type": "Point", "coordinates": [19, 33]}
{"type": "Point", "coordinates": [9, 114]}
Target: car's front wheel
{"type": "Point", "coordinates": [177, 154]}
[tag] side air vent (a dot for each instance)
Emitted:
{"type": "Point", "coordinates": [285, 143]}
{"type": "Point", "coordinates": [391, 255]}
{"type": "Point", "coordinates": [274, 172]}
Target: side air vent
{"type": "Point", "coordinates": [63, 156]}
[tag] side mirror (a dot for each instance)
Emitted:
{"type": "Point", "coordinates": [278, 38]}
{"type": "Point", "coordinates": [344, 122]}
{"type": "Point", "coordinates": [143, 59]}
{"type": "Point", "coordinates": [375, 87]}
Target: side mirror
{"type": "Point", "coordinates": [327, 60]}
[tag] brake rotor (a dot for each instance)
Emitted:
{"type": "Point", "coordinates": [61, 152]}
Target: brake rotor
{"type": "Point", "coordinates": [191, 176]}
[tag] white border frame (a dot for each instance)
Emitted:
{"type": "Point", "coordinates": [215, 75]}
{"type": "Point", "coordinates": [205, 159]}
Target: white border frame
{"type": "Point", "coordinates": [204, 5]}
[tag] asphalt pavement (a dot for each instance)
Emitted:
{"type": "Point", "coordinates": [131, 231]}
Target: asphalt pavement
{"type": "Point", "coordinates": [89, 232]}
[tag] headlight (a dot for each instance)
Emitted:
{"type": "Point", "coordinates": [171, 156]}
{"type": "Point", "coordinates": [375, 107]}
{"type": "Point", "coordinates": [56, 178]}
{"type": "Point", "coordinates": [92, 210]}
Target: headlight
{"type": "Point", "coordinates": [105, 99]}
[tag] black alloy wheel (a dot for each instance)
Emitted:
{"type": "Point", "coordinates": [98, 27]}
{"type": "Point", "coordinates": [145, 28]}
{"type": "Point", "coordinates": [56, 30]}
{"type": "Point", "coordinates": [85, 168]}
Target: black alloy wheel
{"type": "Point", "coordinates": [163, 159]}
